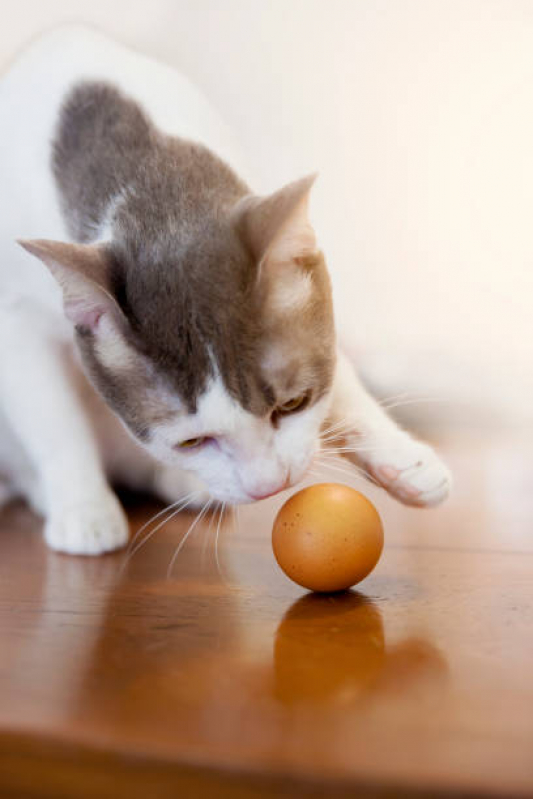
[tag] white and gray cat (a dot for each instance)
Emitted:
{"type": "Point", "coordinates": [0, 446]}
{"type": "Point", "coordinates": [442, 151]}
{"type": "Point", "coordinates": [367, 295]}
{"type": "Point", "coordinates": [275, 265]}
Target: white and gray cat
{"type": "Point", "coordinates": [199, 312]}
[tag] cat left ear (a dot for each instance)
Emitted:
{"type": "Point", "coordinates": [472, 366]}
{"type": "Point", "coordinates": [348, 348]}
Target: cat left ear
{"type": "Point", "coordinates": [84, 273]}
{"type": "Point", "coordinates": [276, 227]}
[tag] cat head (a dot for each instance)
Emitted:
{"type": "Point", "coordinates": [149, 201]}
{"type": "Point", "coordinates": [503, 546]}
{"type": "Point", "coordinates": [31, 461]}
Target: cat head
{"type": "Point", "coordinates": [216, 352]}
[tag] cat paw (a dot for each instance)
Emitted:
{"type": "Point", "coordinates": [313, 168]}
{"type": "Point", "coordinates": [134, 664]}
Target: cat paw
{"type": "Point", "coordinates": [172, 484]}
{"type": "Point", "coordinates": [88, 528]}
{"type": "Point", "coordinates": [410, 471]}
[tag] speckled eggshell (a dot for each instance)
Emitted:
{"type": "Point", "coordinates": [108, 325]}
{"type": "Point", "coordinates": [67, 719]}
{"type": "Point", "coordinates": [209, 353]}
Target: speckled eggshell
{"type": "Point", "coordinates": [327, 537]}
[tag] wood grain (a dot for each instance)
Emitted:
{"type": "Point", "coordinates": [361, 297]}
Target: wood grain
{"type": "Point", "coordinates": [226, 680]}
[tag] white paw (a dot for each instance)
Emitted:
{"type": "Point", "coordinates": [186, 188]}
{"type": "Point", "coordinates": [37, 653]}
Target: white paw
{"type": "Point", "coordinates": [88, 528]}
{"type": "Point", "coordinates": [172, 484]}
{"type": "Point", "coordinates": [410, 471]}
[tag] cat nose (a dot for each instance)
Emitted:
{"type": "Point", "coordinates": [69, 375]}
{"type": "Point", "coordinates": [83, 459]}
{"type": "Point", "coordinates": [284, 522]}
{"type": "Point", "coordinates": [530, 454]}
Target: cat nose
{"type": "Point", "coordinates": [270, 492]}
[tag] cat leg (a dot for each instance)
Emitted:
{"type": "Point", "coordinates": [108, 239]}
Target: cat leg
{"type": "Point", "coordinates": [18, 479]}
{"type": "Point", "coordinates": [42, 402]}
{"type": "Point", "coordinates": [408, 469]}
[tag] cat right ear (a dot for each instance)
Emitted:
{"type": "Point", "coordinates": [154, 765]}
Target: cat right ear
{"type": "Point", "coordinates": [276, 228]}
{"type": "Point", "coordinates": [84, 273]}
{"type": "Point", "coordinates": [277, 231]}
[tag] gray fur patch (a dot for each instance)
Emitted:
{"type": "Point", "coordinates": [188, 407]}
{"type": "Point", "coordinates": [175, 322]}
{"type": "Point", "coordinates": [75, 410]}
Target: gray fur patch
{"type": "Point", "coordinates": [180, 269]}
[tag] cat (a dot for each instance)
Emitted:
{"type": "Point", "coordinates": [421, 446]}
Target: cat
{"type": "Point", "coordinates": [176, 332]}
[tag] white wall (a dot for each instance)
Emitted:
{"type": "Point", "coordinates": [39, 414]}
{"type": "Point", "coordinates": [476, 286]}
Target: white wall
{"type": "Point", "coordinates": [419, 116]}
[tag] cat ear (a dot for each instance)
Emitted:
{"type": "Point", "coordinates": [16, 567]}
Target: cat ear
{"type": "Point", "coordinates": [84, 273]}
{"type": "Point", "coordinates": [276, 227]}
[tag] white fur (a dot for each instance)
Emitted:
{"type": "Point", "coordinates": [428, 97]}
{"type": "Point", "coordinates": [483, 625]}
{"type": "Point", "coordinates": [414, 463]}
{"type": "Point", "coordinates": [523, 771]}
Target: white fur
{"type": "Point", "coordinates": [59, 443]}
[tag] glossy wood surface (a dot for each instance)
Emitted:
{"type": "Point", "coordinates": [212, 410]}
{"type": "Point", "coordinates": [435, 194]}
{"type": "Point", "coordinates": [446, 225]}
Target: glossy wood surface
{"type": "Point", "coordinates": [226, 680]}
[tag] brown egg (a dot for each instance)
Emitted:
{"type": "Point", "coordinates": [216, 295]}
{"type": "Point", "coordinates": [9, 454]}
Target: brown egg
{"type": "Point", "coordinates": [327, 537]}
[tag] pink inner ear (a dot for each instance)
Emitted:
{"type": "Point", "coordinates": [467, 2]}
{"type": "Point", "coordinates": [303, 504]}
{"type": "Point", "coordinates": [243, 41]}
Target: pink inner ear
{"type": "Point", "coordinates": [83, 314]}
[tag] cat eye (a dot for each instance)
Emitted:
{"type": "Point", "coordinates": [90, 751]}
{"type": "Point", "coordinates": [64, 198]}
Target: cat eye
{"type": "Point", "coordinates": [192, 443]}
{"type": "Point", "coordinates": [294, 404]}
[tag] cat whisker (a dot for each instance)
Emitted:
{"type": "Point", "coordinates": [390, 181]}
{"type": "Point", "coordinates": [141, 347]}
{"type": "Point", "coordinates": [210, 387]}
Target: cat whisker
{"type": "Point", "coordinates": [341, 434]}
{"type": "Point", "coordinates": [329, 449]}
{"type": "Point", "coordinates": [353, 450]}
{"type": "Point", "coordinates": [222, 510]}
{"type": "Point", "coordinates": [192, 526]}
{"type": "Point", "coordinates": [414, 401]}
{"type": "Point", "coordinates": [340, 458]}
{"type": "Point", "coordinates": [332, 463]}
{"type": "Point", "coordinates": [334, 429]}
{"type": "Point", "coordinates": [342, 450]}
{"type": "Point", "coordinates": [327, 460]}
{"type": "Point", "coordinates": [340, 422]}
{"type": "Point", "coordinates": [338, 437]}
{"type": "Point", "coordinates": [363, 472]}
{"type": "Point", "coordinates": [331, 426]}
{"type": "Point", "coordinates": [206, 540]}
{"type": "Point", "coordinates": [350, 476]}
{"type": "Point", "coordinates": [406, 398]}
{"type": "Point", "coordinates": [182, 505]}
{"type": "Point", "coordinates": [156, 516]}
{"type": "Point", "coordinates": [384, 400]}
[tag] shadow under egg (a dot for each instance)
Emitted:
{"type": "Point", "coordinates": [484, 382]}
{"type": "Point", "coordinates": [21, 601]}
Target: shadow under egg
{"type": "Point", "coordinates": [327, 646]}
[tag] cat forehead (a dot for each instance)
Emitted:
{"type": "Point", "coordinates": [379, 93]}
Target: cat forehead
{"type": "Point", "coordinates": [211, 368]}
{"type": "Point", "coordinates": [193, 312]}
{"type": "Point", "coordinates": [217, 413]}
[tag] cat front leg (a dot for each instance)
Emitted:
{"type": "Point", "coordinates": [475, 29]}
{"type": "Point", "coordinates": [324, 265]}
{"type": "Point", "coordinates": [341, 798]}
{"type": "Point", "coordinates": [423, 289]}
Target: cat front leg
{"type": "Point", "coordinates": [408, 469]}
{"type": "Point", "coordinates": [41, 398]}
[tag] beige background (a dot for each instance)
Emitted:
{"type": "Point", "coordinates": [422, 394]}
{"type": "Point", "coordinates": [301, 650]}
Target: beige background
{"type": "Point", "coordinates": [419, 116]}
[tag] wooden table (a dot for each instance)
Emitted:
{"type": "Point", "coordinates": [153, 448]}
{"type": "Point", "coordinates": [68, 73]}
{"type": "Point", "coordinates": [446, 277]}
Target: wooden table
{"type": "Point", "coordinates": [226, 680]}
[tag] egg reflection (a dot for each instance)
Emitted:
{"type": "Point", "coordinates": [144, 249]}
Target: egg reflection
{"type": "Point", "coordinates": [332, 649]}
{"type": "Point", "coordinates": [328, 646]}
